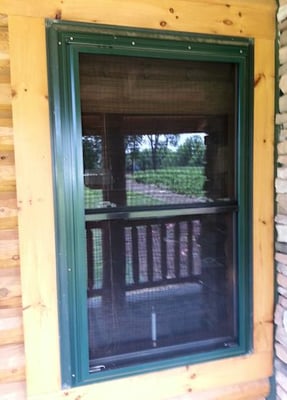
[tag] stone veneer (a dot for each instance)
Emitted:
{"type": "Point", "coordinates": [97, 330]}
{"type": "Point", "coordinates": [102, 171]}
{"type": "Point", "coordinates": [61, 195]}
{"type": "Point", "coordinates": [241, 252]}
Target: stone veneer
{"type": "Point", "coordinates": [280, 318]}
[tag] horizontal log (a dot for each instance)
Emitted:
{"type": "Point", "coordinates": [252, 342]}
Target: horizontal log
{"type": "Point", "coordinates": [11, 326]}
{"type": "Point", "coordinates": [6, 115]}
{"type": "Point", "coordinates": [8, 223]}
{"type": "Point", "coordinates": [13, 391]}
{"type": "Point", "coordinates": [13, 317]}
{"type": "Point", "coordinates": [5, 93]}
{"type": "Point", "coordinates": [8, 198]}
{"type": "Point", "coordinates": [9, 254]}
{"type": "Point", "coordinates": [7, 174]}
{"type": "Point", "coordinates": [8, 234]}
{"type": "Point", "coordinates": [4, 20]}
{"type": "Point", "coordinates": [12, 363]}
{"type": "Point", "coordinates": [4, 44]}
{"type": "Point", "coordinates": [8, 204]}
{"type": "Point", "coordinates": [6, 143]}
{"type": "Point", "coordinates": [4, 71]}
{"type": "Point", "coordinates": [6, 132]}
{"type": "Point", "coordinates": [12, 302]}
{"type": "Point", "coordinates": [6, 140]}
{"type": "Point", "coordinates": [7, 185]}
{"type": "Point", "coordinates": [6, 156]}
{"type": "Point", "coordinates": [10, 288]}
{"type": "Point", "coordinates": [8, 207]}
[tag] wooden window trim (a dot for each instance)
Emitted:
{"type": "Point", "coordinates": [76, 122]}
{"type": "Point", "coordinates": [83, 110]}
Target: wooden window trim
{"type": "Point", "coordinates": [37, 246]}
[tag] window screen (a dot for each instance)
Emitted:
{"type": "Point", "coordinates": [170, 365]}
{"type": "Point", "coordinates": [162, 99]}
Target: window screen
{"type": "Point", "coordinates": [159, 172]}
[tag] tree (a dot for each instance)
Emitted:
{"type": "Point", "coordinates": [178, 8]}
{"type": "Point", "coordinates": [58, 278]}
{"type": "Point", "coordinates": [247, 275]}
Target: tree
{"type": "Point", "coordinates": [132, 150]}
{"type": "Point", "coordinates": [158, 144]}
{"type": "Point", "coordinates": [191, 152]}
{"type": "Point", "coordinates": [92, 152]}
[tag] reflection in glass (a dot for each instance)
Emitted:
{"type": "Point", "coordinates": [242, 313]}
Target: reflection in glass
{"type": "Point", "coordinates": [160, 203]}
{"type": "Point", "coordinates": [159, 169]}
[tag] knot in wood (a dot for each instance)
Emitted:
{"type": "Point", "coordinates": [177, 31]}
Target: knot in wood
{"type": "Point", "coordinates": [4, 292]}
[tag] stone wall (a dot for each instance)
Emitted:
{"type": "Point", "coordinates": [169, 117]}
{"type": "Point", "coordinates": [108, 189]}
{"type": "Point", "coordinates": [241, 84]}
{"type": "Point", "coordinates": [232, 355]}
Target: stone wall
{"type": "Point", "coordinates": [281, 213]}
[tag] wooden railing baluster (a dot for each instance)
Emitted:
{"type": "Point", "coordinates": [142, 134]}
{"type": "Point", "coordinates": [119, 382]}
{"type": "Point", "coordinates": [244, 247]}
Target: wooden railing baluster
{"type": "Point", "coordinates": [149, 249]}
{"type": "Point", "coordinates": [135, 255]}
{"type": "Point", "coordinates": [190, 247]}
{"type": "Point", "coordinates": [150, 267]}
{"type": "Point", "coordinates": [176, 238]}
{"type": "Point", "coordinates": [163, 254]}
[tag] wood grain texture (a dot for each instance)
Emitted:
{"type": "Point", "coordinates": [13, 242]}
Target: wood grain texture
{"type": "Point", "coordinates": [13, 391]}
{"type": "Point", "coordinates": [12, 363]}
{"type": "Point", "coordinates": [3, 20]}
{"type": "Point", "coordinates": [35, 201]}
{"type": "Point", "coordinates": [263, 179]}
{"type": "Point", "coordinates": [257, 390]}
{"type": "Point", "coordinates": [10, 288]}
{"type": "Point", "coordinates": [11, 329]}
{"type": "Point", "coordinates": [4, 71]}
{"type": "Point", "coordinates": [4, 44]}
{"type": "Point", "coordinates": [8, 209]}
{"type": "Point", "coordinates": [234, 17]}
{"type": "Point", "coordinates": [5, 114]}
{"type": "Point", "coordinates": [198, 381]}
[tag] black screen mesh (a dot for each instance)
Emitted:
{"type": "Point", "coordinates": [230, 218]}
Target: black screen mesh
{"type": "Point", "coordinates": [158, 143]}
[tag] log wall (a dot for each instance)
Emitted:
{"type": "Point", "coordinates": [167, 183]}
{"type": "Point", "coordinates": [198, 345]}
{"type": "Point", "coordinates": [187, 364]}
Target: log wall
{"type": "Point", "coordinates": [12, 363]}
{"type": "Point", "coordinates": [23, 81]}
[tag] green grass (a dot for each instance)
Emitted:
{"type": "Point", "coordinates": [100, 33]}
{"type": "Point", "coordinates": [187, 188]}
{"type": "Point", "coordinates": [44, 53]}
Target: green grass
{"type": "Point", "coordinates": [94, 198]}
{"type": "Point", "coordinates": [182, 180]}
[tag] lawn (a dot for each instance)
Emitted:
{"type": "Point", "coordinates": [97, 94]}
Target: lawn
{"type": "Point", "coordinates": [187, 181]}
{"type": "Point", "coordinates": [94, 198]}
{"type": "Point", "coordinates": [182, 180]}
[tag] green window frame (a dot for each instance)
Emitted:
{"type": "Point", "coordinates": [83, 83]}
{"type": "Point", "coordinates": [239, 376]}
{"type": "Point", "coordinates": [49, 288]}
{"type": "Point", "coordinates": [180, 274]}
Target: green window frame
{"type": "Point", "coordinates": [65, 41]}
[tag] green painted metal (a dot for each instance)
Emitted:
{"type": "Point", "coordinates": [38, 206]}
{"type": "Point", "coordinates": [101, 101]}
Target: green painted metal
{"type": "Point", "coordinates": [65, 40]}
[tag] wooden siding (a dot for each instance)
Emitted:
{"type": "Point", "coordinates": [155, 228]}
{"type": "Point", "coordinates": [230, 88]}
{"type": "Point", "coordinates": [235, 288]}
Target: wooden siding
{"type": "Point", "coordinates": [12, 363]}
{"type": "Point", "coordinates": [236, 378]}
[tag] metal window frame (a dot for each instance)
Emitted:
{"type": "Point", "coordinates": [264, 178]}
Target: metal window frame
{"type": "Point", "coordinates": [65, 40]}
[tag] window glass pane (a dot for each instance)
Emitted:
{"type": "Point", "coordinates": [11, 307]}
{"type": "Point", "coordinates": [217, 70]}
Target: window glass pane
{"type": "Point", "coordinates": [158, 137]}
{"type": "Point", "coordinates": [165, 286]}
{"type": "Point", "coordinates": [157, 132]}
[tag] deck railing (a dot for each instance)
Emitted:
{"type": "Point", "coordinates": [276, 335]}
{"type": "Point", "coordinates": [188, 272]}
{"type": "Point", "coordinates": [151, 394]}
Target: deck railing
{"type": "Point", "coordinates": [145, 252]}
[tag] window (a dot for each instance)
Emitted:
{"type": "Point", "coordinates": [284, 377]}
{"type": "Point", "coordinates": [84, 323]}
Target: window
{"type": "Point", "coordinates": [152, 171]}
